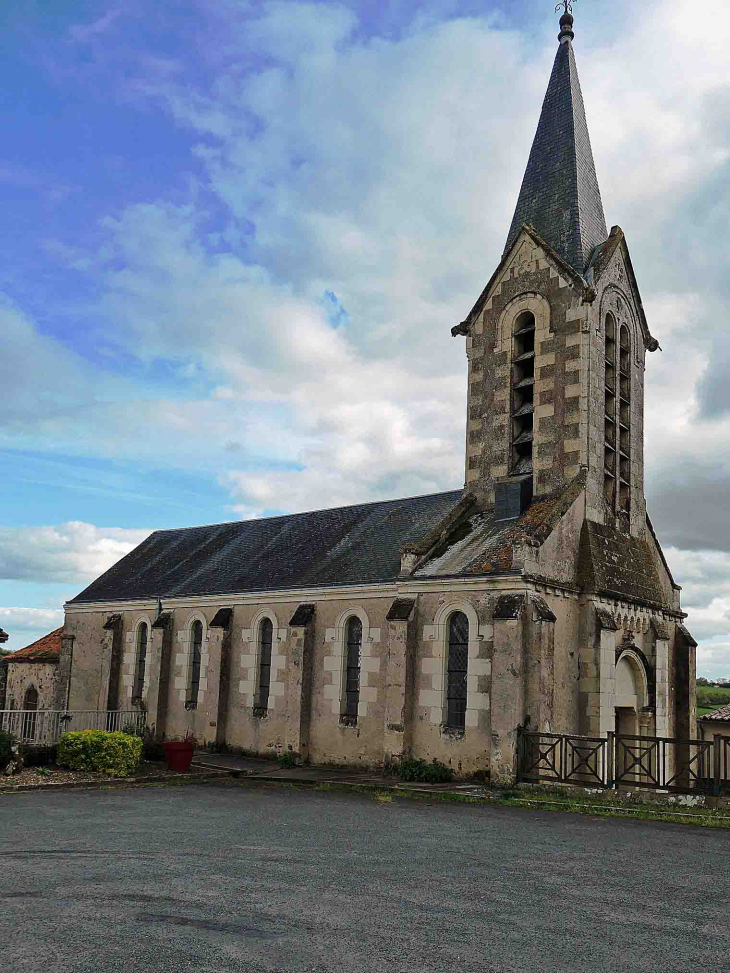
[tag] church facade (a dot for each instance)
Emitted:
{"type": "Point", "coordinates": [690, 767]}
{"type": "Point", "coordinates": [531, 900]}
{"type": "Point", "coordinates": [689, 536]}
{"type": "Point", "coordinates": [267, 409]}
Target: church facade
{"type": "Point", "coordinates": [434, 627]}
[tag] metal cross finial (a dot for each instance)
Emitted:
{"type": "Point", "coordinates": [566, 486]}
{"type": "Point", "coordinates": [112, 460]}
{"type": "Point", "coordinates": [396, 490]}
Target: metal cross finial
{"type": "Point", "coordinates": [567, 4]}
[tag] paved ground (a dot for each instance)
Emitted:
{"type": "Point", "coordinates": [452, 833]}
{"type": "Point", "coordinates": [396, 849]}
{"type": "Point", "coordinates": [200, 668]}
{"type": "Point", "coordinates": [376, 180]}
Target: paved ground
{"type": "Point", "coordinates": [218, 878]}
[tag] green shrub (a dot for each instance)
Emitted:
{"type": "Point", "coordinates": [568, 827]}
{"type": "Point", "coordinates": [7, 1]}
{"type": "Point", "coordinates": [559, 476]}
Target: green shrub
{"type": "Point", "coordinates": [419, 770]}
{"type": "Point", "coordinates": [6, 748]}
{"type": "Point", "coordinates": [110, 753]}
{"type": "Point", "coordinates": [287, 760]}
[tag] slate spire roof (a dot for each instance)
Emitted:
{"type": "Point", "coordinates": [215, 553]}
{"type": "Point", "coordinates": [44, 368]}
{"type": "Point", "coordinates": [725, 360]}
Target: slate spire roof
{"type": "Point", "coordinates": [560, 197]}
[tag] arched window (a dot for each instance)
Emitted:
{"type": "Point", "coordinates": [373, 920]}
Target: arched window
{"type": "Point", "coordinates": [141, 660]}
{"type": "Point", "coordinates": [352, 672]}
{"type": "Point", "coordinates": [523, 385]}
{"type": "Point", "coordinates": [266, 637]}
{"type": "Point", "coordinates": [196, 639]}
{"type": "Point", "coordinates": [617, 444]}
{"type": "Point", "coordinates": [30, 705]}
{"type": "Point", "coordinates": [624, 420]}
{"type": "Point", "coordinates": [456, 669]}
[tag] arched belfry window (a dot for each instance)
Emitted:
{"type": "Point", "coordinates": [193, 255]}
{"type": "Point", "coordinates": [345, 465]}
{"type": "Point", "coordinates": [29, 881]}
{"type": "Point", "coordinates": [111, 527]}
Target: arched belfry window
{"type": "Point", "coordinates": [266, 638]}
{"type": "Point", "coordinates": [457, 663]}
{"type": "Point", "coordinates": [141, 660]}
{"type": "Point", "coordinates": [196, 650]}
{"type": "Point", "coordinates": [352, 668]}
{"type": "Point", "coordinates": [617, 445]}
{"type": "Point", "coordinates": [610, 466]}
{"type": "Point", "coordinates": [523, 386]}
{"type": "Point", "coordinates": [624, 419]}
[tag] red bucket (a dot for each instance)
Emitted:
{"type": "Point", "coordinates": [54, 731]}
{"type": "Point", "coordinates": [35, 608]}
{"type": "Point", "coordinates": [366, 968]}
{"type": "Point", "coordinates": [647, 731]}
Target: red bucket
{"type": "Point", "coordinates": [179, 755]}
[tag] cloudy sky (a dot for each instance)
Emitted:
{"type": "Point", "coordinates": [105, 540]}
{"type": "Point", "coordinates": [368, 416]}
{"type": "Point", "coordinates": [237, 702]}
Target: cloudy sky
{"type": "Point", "coordinates": [237, 234]}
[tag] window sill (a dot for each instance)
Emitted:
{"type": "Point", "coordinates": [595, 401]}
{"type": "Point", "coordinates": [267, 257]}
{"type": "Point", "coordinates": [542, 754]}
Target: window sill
{"type": "Point", "coordinates": [348, 720]}
{"type": "Point", "coordinates": [453, 732]}
{"type": "Point", "coordinates": [260, 712]}
{"type": "Point", "coordinates": [190, 704]}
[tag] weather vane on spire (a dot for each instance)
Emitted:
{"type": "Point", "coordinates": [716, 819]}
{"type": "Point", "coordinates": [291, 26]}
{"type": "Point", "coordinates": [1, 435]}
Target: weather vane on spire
{"type": "Point", "coordinates": [567, 4]}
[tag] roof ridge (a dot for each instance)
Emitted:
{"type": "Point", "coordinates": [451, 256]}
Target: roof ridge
{"type": "Point", "coordinates": [307, 513]}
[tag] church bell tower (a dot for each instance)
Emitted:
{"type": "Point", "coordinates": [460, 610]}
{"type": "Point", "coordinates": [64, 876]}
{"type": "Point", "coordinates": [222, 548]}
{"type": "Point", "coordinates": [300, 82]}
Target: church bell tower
{"type": "Point", "coordinates": [557, 340]}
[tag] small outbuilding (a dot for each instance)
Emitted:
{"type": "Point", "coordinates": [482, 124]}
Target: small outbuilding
{"type": "Point", "coordinates": [32, 672]}
{"type": "Point", "coordinates": [712, 724]}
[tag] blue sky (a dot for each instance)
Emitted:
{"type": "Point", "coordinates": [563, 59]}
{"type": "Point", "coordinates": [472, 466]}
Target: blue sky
{"type": "Point", "coordinates": [237, 235]}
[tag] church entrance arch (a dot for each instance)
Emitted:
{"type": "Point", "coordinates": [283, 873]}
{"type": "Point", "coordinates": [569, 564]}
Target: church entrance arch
{"type": "Point", "coordinates": [632, 697]}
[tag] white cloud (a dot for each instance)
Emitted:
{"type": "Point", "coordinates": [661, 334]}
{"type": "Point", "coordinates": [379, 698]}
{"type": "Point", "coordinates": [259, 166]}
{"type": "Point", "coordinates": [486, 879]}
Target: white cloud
{"type": "Point", "coordinates": [74, 552]}
{"type": "Point", "coordinates": [384, 171]}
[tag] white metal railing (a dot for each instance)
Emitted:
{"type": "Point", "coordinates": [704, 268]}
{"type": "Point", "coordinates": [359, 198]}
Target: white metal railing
{"type": "Point", "coordinates": [43, 727]}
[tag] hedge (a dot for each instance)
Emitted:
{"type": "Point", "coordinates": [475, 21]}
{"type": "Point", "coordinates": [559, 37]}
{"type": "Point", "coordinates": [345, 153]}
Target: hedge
{"type": "Point", "coordinates": [111, 753]}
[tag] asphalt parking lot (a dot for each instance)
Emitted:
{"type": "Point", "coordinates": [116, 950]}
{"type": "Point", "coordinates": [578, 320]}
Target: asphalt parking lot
{"type": "Point", "coordinates": [218, 878]}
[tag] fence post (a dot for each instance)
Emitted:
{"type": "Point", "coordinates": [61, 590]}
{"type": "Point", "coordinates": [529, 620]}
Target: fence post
{"type": "Point", "coordinates": [519, 753]}
{"type": "Point", "coordinates": [610, 759]}
{"type": "Point", "coordinates": [717, 751]}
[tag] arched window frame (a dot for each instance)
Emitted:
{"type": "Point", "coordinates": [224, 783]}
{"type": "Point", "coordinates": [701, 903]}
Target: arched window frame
{"type": "Point", "coordinates": [435, 667]}
{"type": "Point", "coordinates": [141, 667]}
{"type": "Point", "coordinates": [352, 669]}
{"type": "Point", "coordinates": [250, 668]}
{"type": "Point", "coordinates": [624, 419]}
{"type": "Point", "coordinates": [336, 664]}
{"type": "Point", "coordinates": [457, 672]}
{"type": "Point", "coordinates": [263, 678]}
{"type": "Point", "coordinates": [196, 682]}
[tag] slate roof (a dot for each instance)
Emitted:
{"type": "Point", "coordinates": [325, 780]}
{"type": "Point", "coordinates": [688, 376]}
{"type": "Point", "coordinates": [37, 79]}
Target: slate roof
{"type": "Point", "coordinates": [345, 545]}
{"type": "Point", "coordinates": [721, 715]}
{"type": "Point", "coordinates": [46, 649]}
{"type": "Point", "coordinates": [560, 197]}
{"type": "Point", "coordinates": [483, 545]}
{"type": "Point", "coordinates": [619, 565]}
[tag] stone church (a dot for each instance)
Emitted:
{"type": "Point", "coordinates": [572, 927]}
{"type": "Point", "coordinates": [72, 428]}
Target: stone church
{"type": "Point", "coordinates": [434, 626]}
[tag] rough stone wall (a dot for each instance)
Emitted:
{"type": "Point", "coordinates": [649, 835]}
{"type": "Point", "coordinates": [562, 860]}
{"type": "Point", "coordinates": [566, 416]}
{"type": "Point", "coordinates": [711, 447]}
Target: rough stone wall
{"type": "Point", "coordinates": [90, 660]}
{"type": "Point", "coordinates": [24, 675]}
{"type": "Point", "coordinates": [530, 281]}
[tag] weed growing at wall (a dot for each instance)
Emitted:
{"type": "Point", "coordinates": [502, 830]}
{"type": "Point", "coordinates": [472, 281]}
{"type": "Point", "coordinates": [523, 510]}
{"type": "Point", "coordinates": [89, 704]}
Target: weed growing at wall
{"type": "Point", "coordinates": [110, 753]}
{"type": "Point", "coordinates": [6, 748]}
{"type": "Point", "coordinates": [419, 770]}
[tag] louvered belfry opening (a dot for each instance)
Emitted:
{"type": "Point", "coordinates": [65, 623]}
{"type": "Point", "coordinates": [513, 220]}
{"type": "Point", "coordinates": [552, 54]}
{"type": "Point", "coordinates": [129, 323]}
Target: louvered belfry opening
{"type": "Point", "coordinates": [141, 659]}
{"type": "Point", "coordinates": [456, 671]}
{"type": "Point", "coordinates": [624, 420]}
{"type": "Point", "coordinates": [266, 639]}
{"type": "Point", "coordinates": [352, 673]}
{"type": "Point", "coordinates": [523, 388]}
{"type": "Point", "coordinates": [197, 640]}
{"type": "Point", "coordinates": [609, 465]}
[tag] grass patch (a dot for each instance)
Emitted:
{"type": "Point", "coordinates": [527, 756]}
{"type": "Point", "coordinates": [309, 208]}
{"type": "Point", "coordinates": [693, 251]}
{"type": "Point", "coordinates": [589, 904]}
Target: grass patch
{"type": "Point", "coordinates": [710, 698]}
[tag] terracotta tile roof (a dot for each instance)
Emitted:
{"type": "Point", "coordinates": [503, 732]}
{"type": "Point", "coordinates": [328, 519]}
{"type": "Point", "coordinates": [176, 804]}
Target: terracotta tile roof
{"type": "Point", "coordinates": [721, 715]}
{"type": "Point", "coordinates": [46, 649]}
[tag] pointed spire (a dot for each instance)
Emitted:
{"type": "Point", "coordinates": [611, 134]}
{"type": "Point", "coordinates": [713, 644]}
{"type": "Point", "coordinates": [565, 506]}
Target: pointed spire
{"type": "Point", "coordinates": [560, 197]}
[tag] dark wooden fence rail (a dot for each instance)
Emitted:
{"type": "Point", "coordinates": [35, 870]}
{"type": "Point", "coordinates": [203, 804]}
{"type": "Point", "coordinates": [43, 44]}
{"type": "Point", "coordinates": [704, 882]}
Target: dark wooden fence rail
{"type": "Point", "coordinates": [655, 763]}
